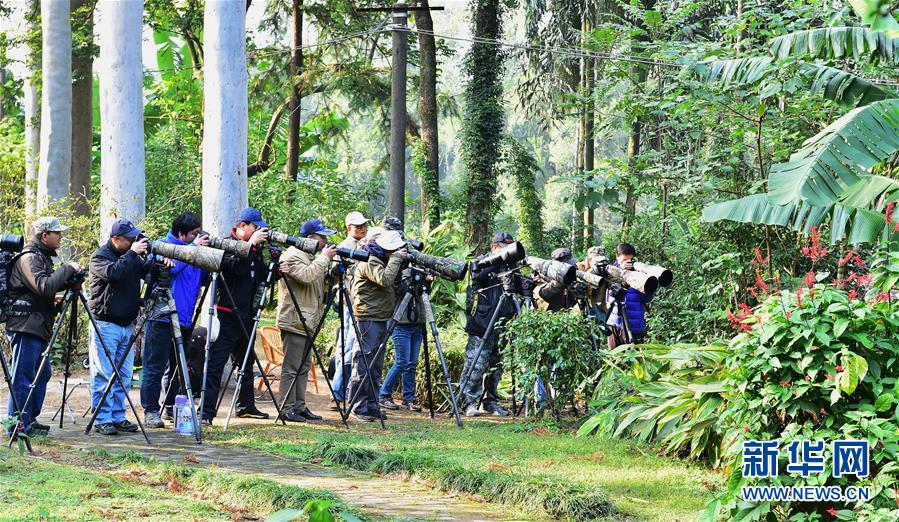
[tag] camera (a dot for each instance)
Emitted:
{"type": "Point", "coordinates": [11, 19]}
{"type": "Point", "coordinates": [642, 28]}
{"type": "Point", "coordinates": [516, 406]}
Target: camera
{"type": "Point", "coordinates": [234, 247]}
{"type": "Point", "coordinates": [11, 243]}
{"type": "Point", "coordinates": [77, 279]}
{"type": "Point", "coordinates": [444, 267]}
{"type": "Point", "coordinates": [509, 255]}
{"type": "Point", "coordinates": [640, 281]}
{"type": "Point", "coordinates": [310, 246]}
{"type": "Point", "coordinates": [207, 258]}
{"type": "Point", "coordinates": [415, 244]}
{"type": "Point", "coordinates": [665, 276]}
{"type": "Point", "coordinates": [554, 271]}
{"type": "Point", "coordinates": [352, 254]}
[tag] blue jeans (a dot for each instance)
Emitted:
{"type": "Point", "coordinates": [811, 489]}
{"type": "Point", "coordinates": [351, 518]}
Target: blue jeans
{"type": "Point", "coordinates": [27, 350]}
{"type": "Point", "coordinates": [407, 345]}
{"type": "Point", "coordinates": [342, 371]}
{"type": "Point", "coordinates": [115, 338]}
{"type": "Point", "coordinates": [371, 336]}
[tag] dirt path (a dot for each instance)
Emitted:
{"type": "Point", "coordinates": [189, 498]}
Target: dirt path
{"type": "Point", "coordinates": [383, 497]}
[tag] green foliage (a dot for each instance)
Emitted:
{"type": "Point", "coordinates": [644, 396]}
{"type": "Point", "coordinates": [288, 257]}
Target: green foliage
{"type": "Point", "coordinates": [558, 347]}
{"type": "Point", "coordinates": [12, 177]}
{"type": "Point", "coordinates": [521, 166]}
{"type": "Point", "coordinates": [430, 183]}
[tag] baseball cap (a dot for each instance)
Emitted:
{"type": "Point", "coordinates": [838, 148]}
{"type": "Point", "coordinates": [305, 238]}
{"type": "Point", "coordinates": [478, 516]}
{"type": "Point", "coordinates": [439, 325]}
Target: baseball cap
{"type": "Point", "coordinates": [393, 223]}
{"type": "Point", "coordinates": [124, 228]}
{"type": "Point", "coordinates": [315, 226]}
{"type": "Point", "coordinates": [503, 237]}
{"type": "Point", "coordinates": [355, 218]}
{"type": "Point", "coordinates": [390, 240]}
{"type": "Point", "coordinates": [563, 255]}
{"type": "Point", "coordinates": [251, 215]}
{"type": "Point", "coordinates": [48, 224]}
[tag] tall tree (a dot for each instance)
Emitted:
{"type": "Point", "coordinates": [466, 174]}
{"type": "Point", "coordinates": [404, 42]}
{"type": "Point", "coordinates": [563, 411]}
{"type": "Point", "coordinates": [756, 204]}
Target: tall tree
{"type": "Point", "coordinates": [225, 114]}
{"type": "Point", "coordinates": [32, 104]}
{"type": "Point", "coordinates": [56, 105]}
{"type": "Point", "coordinates": [483, 121]}
{"type": "Point", "coordinates": [82, 101]}
{"type": "Point", "coordinates": [427, 113]}
{"type": "Point", "coordinates": [296, 100]}
{"type": "Point", "coordinates": [589, 79]}
{"type": "Point", "coordinates": [122, 175]}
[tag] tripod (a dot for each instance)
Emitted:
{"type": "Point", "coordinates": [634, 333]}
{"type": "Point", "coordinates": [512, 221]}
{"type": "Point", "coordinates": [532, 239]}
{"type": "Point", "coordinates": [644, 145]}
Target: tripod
{"type": "Point", "coordinates": [417, 291]}
{"type": "Point", "coordinates": [619, 293]}
{"type": "Point", "coordinates": [18, 431]}
{"type": "Point", "coordinates": [251, 339]}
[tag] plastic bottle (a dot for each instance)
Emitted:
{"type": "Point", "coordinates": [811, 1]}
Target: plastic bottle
{"type": "Point", "coordinates": [183, 422]}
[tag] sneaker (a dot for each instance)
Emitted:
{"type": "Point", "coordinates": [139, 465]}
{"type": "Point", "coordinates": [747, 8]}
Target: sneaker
{"type": "Point", "coordinates": [473, 411]}
{"type": "Point", "coordinates": [126, 426]}
{"type": "Point", "coordinates": [389, 404]}
{"type": "Point", "coordinates": [167, 414]}
{"type": "Point", "coordinates": [107, 428]}
{"type": "Point", "coordinates": [153, 420]}
{"type": "Point", "coordinates": [38, 429]}
{"type": "Point", "coordinates": [494, 409]}
{"type": "Point", "coordinates": [293, 416]}
{"type": "Point", "coordinates": [364, 417]}
{"type": "Point", "coordinates": [412, 406]}
{"type": "Point", "coordinates": [308, 415]}
{"type": "Point", "coordinates": [206, 421]}
{"type": "Point", "coordinates": [252, 413]}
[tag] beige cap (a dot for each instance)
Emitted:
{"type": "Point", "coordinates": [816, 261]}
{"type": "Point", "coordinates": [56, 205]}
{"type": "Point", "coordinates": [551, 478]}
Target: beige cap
{"type": "Point", "coordinates": [48, 224]}
{"type": "Point", "coordinates": [390, 240]}
{"type": "Point", "coordinates": [355, 218]}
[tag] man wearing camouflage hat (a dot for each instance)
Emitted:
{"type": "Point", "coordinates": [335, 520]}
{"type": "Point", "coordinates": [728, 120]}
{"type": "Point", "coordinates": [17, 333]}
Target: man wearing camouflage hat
{"type": "Point", "coordinates": [33, 284]}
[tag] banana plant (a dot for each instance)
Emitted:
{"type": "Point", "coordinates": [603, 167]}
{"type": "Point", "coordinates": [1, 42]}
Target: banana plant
{"type": "Point", "coordinates": [837, 176]}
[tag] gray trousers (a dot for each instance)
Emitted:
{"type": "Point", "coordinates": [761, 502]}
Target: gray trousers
{"type": "Point", "coordinates": [294, 368]}
{"type": "Point", "coordinates": [371, 336]}
{"type": "Point", "coordinates": [486, 373]}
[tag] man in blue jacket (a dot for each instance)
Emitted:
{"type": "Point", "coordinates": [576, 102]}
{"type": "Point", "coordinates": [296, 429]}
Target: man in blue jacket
{"type": "Point", "coordinates": [634, 305]}
{"type": "Point", "coordinates": [160, 364]}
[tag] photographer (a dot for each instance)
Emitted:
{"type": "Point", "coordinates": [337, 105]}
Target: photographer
{"type": "Point", "coordinates": [489, 291]}
{"type": "Point", "coordinates": [356, 229]}
{"type": "Point", "coordinates": [33, 285]}
{"type": "Point", "coordinates": [633, 302]}
{"type": "Point", "coordinates": [374, 299]}
{"type": "Point", "coordinates": [160, 363]}
{"type": "Point", "coordinates": [116, 272]}
{"type": "Point", "coordinates": [407, 338]}
{"type": "Point", "coordinates": [304, 277]}
{"type": "Point", "coordinates": [553, 295]}
{"type": "Point", "coordinates": [242, 277]}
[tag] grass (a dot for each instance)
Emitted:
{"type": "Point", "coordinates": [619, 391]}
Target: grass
{"type": "Point", "coordinates": [531, 466]}
{"type": "Point", "coordinates": [100, 486]}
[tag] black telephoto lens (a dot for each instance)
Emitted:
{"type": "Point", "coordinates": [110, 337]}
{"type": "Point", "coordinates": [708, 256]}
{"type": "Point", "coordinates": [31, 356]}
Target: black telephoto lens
{"type": "Point", "coordinates": [11, 243]}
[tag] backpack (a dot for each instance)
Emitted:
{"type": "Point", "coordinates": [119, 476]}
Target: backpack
{"type": "Point", "coordinates": [7, 262]}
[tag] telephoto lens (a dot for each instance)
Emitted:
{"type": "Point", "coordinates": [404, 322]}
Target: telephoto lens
{"type": "Point", "coordinates": [352, 254]}
{"type": "Point", "coordinates": [234, 247]}
{"type": "Point", "coordinates": [11, 243]}
{"type": "Point", "coordinates": [665, 276]}
{"type": "Point", "coordinates": [209, 259]}
{"type": "Point", "coordinates": [509, 255]}
{"type": "Point", "coordinates": [555, 271]}
{"type": "Point", "coordinates": [444, 267]}
{"type": "Point", "coordinates": [310, 246]}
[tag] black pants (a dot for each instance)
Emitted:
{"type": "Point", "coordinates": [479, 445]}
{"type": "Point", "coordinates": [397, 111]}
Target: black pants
{"type": "Point", "coordinates": [372, 335]}
{"type": "Point", "coordinates": [160, 366]}
{"type": "Point", "coordinates": [232, 343]}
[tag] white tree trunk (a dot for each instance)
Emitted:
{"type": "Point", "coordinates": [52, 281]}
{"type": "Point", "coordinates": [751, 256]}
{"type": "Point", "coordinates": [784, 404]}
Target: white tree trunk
{"type": "Point", "coordinates": [122, 178]}
{"type": "Point", "coordinates": [56, 105]}
{"type": "Point", "coordinates": [32, 117]}
{"type": "Point", "coordinates": [225, 114]}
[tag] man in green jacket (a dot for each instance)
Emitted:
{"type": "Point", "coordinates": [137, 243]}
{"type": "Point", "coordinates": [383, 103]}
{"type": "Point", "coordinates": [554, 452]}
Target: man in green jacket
{"type": "Point", "coordinates": [374, 298]}
{"type": "Point", "coordinates": [304, 278]}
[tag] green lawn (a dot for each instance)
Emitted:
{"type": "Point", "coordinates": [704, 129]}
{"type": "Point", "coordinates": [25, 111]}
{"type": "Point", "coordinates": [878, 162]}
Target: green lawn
{"type": "Point", "coordinates": [640, 483]}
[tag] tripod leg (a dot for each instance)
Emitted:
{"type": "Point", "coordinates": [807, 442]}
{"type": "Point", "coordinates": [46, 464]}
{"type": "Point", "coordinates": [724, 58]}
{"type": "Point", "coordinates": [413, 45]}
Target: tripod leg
{"type": "Point", "coordinates": [67, 355]}
{"type": "Point", "coordinates": [487, 333]}
{"type": "Point", "coordinates": [116, 377]}
{"type": "Point", "coordinates": [213, 286]}
{"type": "Point", "coordinates": [218, 403]}
{"type": "Point", "coordinates": [429, 387]}
{"type": "Point", "coordinates": [429, 317]}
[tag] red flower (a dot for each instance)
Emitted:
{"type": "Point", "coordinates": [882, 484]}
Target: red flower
{"type": "Point", "coordinates": [814, 251]}
{"type": "Point", "coordinates": [852, 294]}
{"type": "Point", "coordinates": [808, 378]}
{"type": "Point", "coordinates": [838, 368]}
{"type": "Point", "coordinates": [832, 512]}
{"type": "Point", "coordinates": [799, 297]}
{"type": "Point", "coordinates": [822, 411]}
{"type": "Point", "coordinates": [785, 384]}
{"type": "Point", "coordinates": [888, 213]}
{"type": "Point", "coordinates": [746, 429]}
{"type": "Point", "coordinates": [809, 280]}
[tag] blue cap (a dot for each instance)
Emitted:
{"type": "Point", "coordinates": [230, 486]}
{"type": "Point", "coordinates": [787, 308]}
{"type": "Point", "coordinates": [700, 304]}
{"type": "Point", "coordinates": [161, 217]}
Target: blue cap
{"type": "Point", "coordinates": [315, 226]}
{"type": "Point", "coordinates": [125, 228]}
{"type": "Point", "coordinates": [251, 215]}
{"type": "Point", "coordinates": [503, 237]}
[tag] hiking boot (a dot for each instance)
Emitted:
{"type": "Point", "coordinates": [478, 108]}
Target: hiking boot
{"type": "Point", "coordinates": [39, 429]}
{"type": "Point", "coordinates": [293, 416]}
{"type": "Point", "coordinates": [388, 403]}
{"type": "Point", "coordinates": [107, 428]}
{"type": "Point", "coordinates": [153, 420]}
{"type": "Point", "coordinates": [473, 411]}
{"type": "Point", "coordinates": [167, 414]}
{"type": "Point", "coordinates": [125, 426]}
{"type": "Point", "coordinates": [412, 406]}
{"type": "Point", "coordinates": [364, 417]}
{"type": "Point", "coordinates": [308, 415]}
{"type": "Point", "coordinates": [494, 409]}
{"type": "Point", "coordinates": [252, 413]}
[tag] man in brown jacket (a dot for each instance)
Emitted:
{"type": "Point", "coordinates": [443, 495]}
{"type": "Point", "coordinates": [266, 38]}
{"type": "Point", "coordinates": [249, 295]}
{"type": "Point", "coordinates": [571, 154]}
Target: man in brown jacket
{"type": "Point", "coordinates": [304, 277]}
{"type": "Point", "coordinates": [33, 285]}
{"type": "Point", "coordinates": [374, 298]}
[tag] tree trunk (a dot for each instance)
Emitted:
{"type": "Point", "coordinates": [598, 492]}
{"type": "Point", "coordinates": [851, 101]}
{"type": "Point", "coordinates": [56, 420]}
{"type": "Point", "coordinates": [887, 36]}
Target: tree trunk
{"type": "Point", "coordinates": [82, 112]}
{"type": "Point", "coordinates": [56, 107]}
{"type": "Point", "coordinates": [122, 178]}
{"type": "Point", "coordinates": [224, 114]}
{"type": "Point", "coordinates": [396, 187]}
{"type": "Point", "coordinates": [296, 68]}
{"type": "Point", "coordinates": [427, 113]}
{"type": "Point", "coordinates": [483, 122]}
{"type": "Point", "coordinates": [32, 108]}
{"type": "Point", "coordinates": [639, 72]}
{"type": "Point", "coordinates": [589, 124]}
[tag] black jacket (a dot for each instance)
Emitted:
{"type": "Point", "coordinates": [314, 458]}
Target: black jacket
{"type": "Point", "coordinates": [243, 277]}
{"type": "Point", "coordinates": [33, 286]}
{"type": "Point", "coordinates": [115, 281]}
{"type": "Point", "coordinates": [489, 290]}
